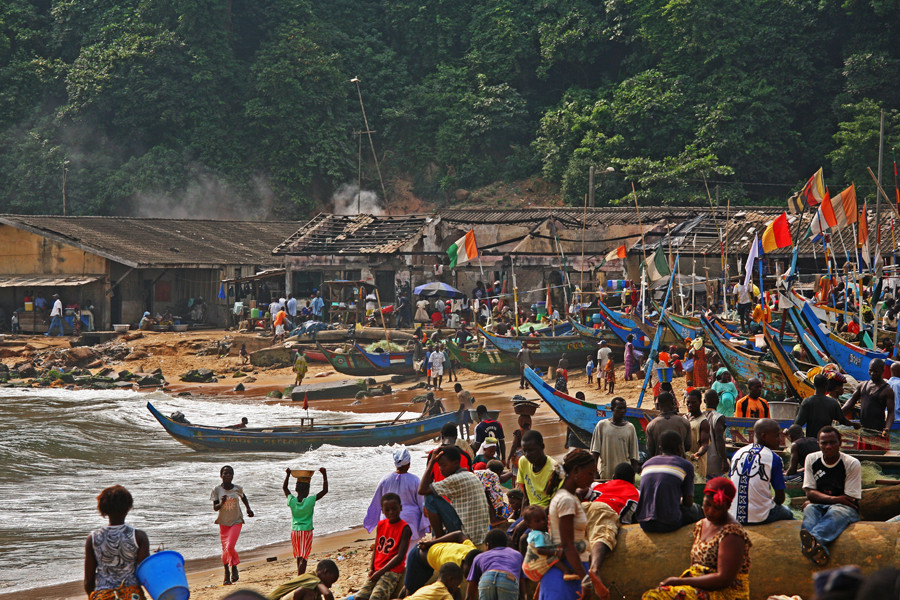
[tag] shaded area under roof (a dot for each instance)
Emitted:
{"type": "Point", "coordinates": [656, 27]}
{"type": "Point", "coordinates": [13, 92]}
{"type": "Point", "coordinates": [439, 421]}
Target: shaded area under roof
{"type": "Point", "coordinates": [169, 243]}
{"type": "Point", "coordinates": [37, 281]}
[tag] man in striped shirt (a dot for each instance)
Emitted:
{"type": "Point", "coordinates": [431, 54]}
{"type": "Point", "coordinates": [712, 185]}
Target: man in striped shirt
{"type": "Point", "coordinates": [667, 489]}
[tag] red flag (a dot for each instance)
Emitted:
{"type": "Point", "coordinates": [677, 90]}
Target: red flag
{"type": "Point", "coordinates": [305, 401]}
{"type": "Point", "coordinates": [777, 234]}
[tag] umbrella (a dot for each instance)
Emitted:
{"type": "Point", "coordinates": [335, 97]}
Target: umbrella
{"type": "Point", "coordinates": [437, 289]}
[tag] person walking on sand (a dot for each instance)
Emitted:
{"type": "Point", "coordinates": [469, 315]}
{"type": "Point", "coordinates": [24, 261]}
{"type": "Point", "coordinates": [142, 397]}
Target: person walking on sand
{"type": "Point", "coordinates": [112, 553]}
{"type": "Point", "coordinates": [56, 315]}
{"type": "Point", "coordinates": [245, 357]}
{"type": "Point", "coordinates": [630, 358]}
{"type": "Point", "coordinates": [406, 485]}
{"type": "Point", "coordinates": [436, 360]}
{"type": "Point", "coordinates": [302, 507]}
{"type": "Point", "coordinates": [278, 321]}
{"type": "Point", "coordinates": [300, 368]}
{"type": "Point", "coordinates": [226, 499]}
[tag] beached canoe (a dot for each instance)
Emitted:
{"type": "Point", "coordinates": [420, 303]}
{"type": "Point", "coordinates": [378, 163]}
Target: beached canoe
{"type": "Point", "coordinates": [600, 334]}
{"type": "Point", "coordinates": [389, 363]}
{"type": "Point", "coordinates": [545, 350]}
{"type": "Point", "coordinates": [745, 364]}
{"type": "Point", "coordinates": [302, 437]}
{"type": "Point", "coordinates": [800, 387]}
{"type": "Point", "coordinates": [487, 362]}
{"type": "Point", "coordinates": [351, 363]}
{"type": "Point", "coordinates": [641, 341]}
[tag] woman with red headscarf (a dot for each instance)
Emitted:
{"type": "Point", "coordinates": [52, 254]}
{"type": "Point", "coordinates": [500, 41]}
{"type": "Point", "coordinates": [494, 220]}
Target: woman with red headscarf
{"type": "Point", "coordinates": [720, 555]}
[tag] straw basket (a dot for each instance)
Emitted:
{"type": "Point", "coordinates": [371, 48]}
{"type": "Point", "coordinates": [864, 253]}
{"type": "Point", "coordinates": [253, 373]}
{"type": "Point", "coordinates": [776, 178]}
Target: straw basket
{"type": "Point", "coordinates": [302, 475]}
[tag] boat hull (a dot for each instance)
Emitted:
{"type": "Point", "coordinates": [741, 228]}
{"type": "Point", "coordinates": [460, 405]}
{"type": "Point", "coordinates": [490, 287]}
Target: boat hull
{"type": "Point", "coordinates": [284, 439]}
{"type": "Point", "coordinates": [487, 362]}
{"type": "Point", "coordinates": [545, 351]}
{"type": "Point", "coordinates": [350, 363]}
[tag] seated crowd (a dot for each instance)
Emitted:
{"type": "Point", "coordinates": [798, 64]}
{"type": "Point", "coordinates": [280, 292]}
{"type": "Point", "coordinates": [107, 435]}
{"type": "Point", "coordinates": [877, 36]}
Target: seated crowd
{"type": "Point", "coordinates": [510, 526]}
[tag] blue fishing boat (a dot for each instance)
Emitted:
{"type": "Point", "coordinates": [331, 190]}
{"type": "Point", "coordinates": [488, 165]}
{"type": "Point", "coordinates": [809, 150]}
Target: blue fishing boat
{"type": "Point", "coordinates": [853, 359]}
{"type": "Point", "coordinates": [641, 341]}
{"type": "Point", "coordinates": [806, 338]}
{"type": "Point", "coordinates": [545, 350]}
{"type": "Point", "coordinates": [303, 437]}
{"type": "Point", "coordinates": [600, 334]}
{"type": "Point", "coordinates": [389, 363]}
{"type": "Point", "coordinates": [800, 386]}
{"type": "Point", "coordinates": [745, 364]}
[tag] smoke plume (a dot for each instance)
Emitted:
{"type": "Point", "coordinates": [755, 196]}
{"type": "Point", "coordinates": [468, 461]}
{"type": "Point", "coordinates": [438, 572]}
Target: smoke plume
{"type": "Point", "coordinates": [345, 201]}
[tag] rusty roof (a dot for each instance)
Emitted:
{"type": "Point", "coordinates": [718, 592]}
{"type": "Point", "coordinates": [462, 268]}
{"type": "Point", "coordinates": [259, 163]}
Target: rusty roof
{"type": "Point", "coordinates": [167, 243]}
{"type": "Point", "coordinates": [327, 234]}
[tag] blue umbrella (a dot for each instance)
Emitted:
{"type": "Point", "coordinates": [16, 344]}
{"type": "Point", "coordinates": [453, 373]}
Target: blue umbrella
{"type": "Point", "coordinates": [437, 289]}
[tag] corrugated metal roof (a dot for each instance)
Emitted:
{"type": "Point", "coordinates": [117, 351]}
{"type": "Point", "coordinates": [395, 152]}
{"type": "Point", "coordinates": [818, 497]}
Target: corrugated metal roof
{"type": "Point", "coordinates": [37, 281]}
{"type": "Point", "coordinates": [327, 234]}
{"type": "Point", "coordinates": [163, 242]}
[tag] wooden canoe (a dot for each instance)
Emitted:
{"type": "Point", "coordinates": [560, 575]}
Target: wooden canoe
{"type": "Point", "coordinates": [487, 362]}
{"type": "Point", "coordinates": [303, 437]}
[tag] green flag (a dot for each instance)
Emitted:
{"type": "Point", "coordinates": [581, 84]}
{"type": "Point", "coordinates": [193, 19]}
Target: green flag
{"type": "Point", "coordinates": [657, 266]}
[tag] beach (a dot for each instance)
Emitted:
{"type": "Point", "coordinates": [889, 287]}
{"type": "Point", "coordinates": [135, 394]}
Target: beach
{"type": "Point", "coordinates": [175, 353]}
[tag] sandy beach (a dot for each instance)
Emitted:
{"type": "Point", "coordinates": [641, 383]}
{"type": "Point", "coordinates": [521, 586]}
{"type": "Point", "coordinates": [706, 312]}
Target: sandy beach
{"type": "Point", "coordinates": [176, 353]}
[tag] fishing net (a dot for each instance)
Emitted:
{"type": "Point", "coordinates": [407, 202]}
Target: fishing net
{"type": "Point", "coordinates": [384, 346]}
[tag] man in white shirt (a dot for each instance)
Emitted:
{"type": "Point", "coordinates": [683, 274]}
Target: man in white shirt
{"type": "Point", "coordinates": [755, 469]}
{"type": "Point", "coordinates": [437, 366]}
{"type": "Point", "coordinates": [56, 315]}
{"type": "Point", "coordinates": [832, 481]}
{"type": "Point", "coordinates": [744, 304]}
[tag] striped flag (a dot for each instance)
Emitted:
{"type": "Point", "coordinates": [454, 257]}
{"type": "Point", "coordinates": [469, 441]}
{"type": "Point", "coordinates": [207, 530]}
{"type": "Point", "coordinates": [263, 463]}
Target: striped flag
{"type": "Point", "coordinates": [777, 234]}
{"type": "Point", "coordinates": [835, 213]}
{"type": "Point", "coordinates": [657, 266]}
{"type": "Point", "coordinates": [463, 249]}
{"type": "Point", "coordinates": [863, 235]}
{"type": "Point", "coordinates": [814, 191]}
{"type": "Point", "coordinates": [619, 252]}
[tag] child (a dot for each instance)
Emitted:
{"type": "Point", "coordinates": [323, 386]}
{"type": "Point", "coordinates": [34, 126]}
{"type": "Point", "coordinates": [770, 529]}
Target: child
{"type": "Point", "coordinates": [302, 507]}
{"type": "Point", "coordinates": [451, 575]}
{"type": "Point", "coordinates": [562, 381]}
{"type": "Point", "coordinates": [610, 372]}
{"type": "Point", "coordinates": [309, 586]}
{"type": "Point", "coordinates": [230, 520]}
{"type": "Point", "coordinates": [589, 369]}
{"type": "Point", "coordinates": [112, 553]}
{"type": "Point", "coordinates": [389, 555]}
{"type": "Point", "coordinates": [542, 553]}
{"type": "Point", "coordinates": [245, 357]}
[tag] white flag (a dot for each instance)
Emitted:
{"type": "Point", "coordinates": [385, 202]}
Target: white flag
{"type": "Point", "coordinates": [754, 254]}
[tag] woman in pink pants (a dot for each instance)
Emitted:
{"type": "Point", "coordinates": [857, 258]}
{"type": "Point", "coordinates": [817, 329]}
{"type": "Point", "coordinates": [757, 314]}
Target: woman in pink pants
{"type": "Point", "coordinates": [225, 499]}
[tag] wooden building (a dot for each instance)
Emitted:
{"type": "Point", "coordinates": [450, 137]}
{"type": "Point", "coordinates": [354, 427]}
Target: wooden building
{"type": "Point", "coordinates": [124, 266]}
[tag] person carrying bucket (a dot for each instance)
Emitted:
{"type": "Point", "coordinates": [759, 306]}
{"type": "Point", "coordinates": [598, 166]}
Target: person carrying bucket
{"type": "Point", "coordinates": [112, 553]}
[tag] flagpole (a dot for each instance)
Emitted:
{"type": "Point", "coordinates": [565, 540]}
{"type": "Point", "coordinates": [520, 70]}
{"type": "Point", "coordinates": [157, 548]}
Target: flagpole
{"type": "Point", "coordinates": [656, 339]}
{"type": "Point", "coordinates": [643, 245]}
{"type": "Point", "coordinates": [718, 232]}
{"type": "Point", "coordinates": [725, 253]}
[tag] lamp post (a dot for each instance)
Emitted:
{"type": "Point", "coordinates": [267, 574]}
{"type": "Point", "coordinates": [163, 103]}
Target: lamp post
{"type": "Point", "coordinates": [591, 183]}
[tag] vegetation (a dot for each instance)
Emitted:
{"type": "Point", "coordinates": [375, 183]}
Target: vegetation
{"type": "Point", "coordinates": [250, 103]}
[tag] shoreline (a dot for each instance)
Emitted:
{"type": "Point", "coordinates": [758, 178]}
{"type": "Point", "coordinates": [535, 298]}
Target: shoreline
{"type": "Point", "coordinates": [202, 573]}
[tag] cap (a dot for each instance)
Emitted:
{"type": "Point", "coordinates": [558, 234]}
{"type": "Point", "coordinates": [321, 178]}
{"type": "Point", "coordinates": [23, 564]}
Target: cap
{"type": "Point", "coordinates": [479, 466]}
{"type": "Point", "coordinates": [489, 442]}
{"type": "Point", "coordinates": [147, 313]}
{"type": "Point", "coordinates": [401, 457]}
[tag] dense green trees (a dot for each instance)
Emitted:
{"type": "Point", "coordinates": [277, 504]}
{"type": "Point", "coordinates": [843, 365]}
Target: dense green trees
{"type": "Point", "coordinates": [249, 104]}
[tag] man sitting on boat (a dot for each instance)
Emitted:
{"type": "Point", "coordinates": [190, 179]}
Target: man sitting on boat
{"type": "Point", "coordinates": [832, 481]}
{"type": "Point", "coordinates": [667, 489]}
{"type": "Point", "coordinates": [668, 420]}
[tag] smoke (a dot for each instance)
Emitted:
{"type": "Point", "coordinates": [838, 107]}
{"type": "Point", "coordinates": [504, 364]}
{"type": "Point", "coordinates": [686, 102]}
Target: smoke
{"type": "Point", "coordinates": [207, 197]}
{"type": "Point", "coordinates": [345, 201]}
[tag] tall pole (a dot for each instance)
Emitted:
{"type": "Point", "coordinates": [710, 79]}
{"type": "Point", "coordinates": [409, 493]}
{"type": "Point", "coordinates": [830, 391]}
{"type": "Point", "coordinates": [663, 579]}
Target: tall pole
{"type": "Point", "coordinates": [877, 195]}
{"type": "Point", "coordinates": [65, 173]}
{"type": "Point", "coordinates": [369, 133]}
{"type": "Point", "coordinates": [359, 171]}
{"type": "Point", "coordinates": [591, 186]}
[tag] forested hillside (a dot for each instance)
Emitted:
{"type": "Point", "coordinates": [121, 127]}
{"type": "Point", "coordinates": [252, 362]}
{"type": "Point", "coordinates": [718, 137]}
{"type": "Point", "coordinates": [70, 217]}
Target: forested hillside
{"type": "Point", "coordinates": [161, 105]}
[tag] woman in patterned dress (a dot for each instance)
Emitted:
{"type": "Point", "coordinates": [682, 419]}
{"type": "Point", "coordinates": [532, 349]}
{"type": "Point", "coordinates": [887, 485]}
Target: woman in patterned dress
{"type": "Point", "coordinates": [720, 554]}
{"type": "Point", "coordinates": [112, 553]}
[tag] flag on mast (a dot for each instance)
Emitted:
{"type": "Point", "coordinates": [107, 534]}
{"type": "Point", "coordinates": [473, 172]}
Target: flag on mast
{"type": "Point", "coordinates": [835, 213]}
{"type": "Point", "coordinates": [863, 236]}
{"type": "Point", "coordinates": [619, 252]}
{"type": "Point", "coordinates": [814, 191]}
{"type": "Point", "coordinates": [751, 258]}
{"type": "Point", "coordinates": [463, 250]}
{"type": "Point", "coordinates": [657, 266]}
{"type": "Point", "coordinates": [777, 234]}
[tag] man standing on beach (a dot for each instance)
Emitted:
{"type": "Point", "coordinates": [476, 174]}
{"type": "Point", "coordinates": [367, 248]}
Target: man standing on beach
{"type": "Point", "coordinates": [317, 305]}
{"type": "Point", "coordinates": [668, 420]}
{"type": "Point", "coordinates": [436, 361]}
{"type": "Point", "coordinates": [489, 428]}
{"type": "Point", "coordinates": [524, 358]}
{"type": "Point", "coordinates": [292, 309]}
{"type": "Point", "coordinates": [820, 409]}
{"type": "Point", "coordinates": [752, 406]}
{"type": "Point", "coordinates": [56, 314]}
{"type": "Point", "coordinates": [615, 440]}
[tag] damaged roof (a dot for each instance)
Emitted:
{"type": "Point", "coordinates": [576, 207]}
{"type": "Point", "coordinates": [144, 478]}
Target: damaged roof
{"type": "Point", "coordinates": [167, 243]}
{"type": "Point", "coordinates": [329, 234]}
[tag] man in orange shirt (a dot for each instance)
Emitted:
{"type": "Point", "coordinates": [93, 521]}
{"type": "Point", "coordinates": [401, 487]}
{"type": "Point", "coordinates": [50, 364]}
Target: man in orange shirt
{"type": "Point", "coordinates": [752, 406]}
{"type": "Point", "coordinates": [279, 325]}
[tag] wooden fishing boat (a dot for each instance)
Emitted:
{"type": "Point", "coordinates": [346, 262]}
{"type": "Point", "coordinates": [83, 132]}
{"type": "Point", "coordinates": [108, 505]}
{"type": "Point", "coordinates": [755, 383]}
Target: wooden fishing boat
{"type": "Point", "coordinates": [641, 342]}
{"type": "Point", "coordinates": [487, 362]}
{"type": "Point", "coordinates": [627, 321]}
{"type": "Point", "coordinates": [303, 437]}
{"type": "Point", "coordinates": [545, 350]}
{"type": "Point", "coordinates": [389, 363]}
{"type": "Point", "coordinates": [800, 387]}
{"type": "Point", "coordinates": [805, 338]}
{"type": "Point", "coordinates": [853, 359]}
{"type": "Point", "coordinates": [682, 327]}
{"type": "Point", "coordinates": [350, 363]}
{"type": "Point", "coordinates": [745, 364]}
{"type": "Point", "coordinates": [315, 356]}
{"type": "Point", "coordinates": [597, 335]}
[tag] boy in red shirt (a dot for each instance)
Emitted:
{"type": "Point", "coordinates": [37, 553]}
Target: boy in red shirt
{"type": "Point", "coordinates": [389, 556]}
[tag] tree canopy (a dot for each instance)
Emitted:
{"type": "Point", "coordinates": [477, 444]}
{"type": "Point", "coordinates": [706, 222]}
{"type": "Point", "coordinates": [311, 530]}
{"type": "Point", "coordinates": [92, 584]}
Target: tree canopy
{"type": "Point", "coordinates": [248, 104]}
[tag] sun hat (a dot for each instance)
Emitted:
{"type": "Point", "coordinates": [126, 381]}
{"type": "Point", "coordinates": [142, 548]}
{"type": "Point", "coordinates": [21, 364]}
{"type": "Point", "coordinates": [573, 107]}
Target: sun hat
{"type": "Point", "coordinates": [401, 457]}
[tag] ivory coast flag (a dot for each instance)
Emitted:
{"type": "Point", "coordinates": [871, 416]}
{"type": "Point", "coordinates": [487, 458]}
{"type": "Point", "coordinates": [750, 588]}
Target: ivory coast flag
{"type": "Point", "coordinates": [657, 266]}
{"type": "Point", "coordinates": [777, 234]}
{"type": "Point", "coordinates": [619, 252]}
{"type": "Point", "coordinates": [463, 249]}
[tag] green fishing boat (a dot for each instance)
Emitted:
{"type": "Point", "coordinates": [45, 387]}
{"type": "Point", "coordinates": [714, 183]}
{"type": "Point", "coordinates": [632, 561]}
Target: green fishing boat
{"type": "Point", "coordinates": [488, 362]}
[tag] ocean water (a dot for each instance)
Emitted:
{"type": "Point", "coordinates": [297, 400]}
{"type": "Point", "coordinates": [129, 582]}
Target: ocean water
{"type": "Point", "coordinates": [59, 448]}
